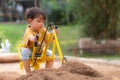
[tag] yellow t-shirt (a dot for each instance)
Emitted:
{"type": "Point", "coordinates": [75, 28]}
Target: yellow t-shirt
{"type": "Point", "coordinates": [29, 32]}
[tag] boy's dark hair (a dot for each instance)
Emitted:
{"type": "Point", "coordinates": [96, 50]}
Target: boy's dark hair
{"type": "Point", "coordinates": [35, 12]}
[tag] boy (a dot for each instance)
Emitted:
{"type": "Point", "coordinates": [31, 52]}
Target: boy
{"type": "Point", "coordinates": [35, 17]}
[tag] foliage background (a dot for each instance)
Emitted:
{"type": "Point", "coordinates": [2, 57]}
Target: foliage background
{"type": "Point", "coordinates": [98, 19]}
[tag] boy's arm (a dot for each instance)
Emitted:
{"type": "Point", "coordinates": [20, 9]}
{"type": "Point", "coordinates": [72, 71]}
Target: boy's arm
{"type": "Point", "coordinates": [29, 38]}
{"type": "Point", "coordinates": [57, 31]}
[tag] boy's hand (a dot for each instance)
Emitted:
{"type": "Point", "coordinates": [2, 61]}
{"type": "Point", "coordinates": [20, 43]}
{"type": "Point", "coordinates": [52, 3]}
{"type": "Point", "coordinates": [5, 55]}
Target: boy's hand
{"type": "Point", "coordinates": [57, 31]}
{"type": "Point", "coordinates": [33, 38]}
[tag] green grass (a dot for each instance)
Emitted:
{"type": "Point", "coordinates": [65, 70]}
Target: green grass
{"type": "Point", "coordinates": [14, 32]}
{"type": "Point", "coordinates": [68, 38]}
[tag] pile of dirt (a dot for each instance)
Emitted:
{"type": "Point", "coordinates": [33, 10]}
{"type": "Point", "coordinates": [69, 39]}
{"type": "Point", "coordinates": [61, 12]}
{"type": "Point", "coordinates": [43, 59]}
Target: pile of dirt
{"type": "Point", "coordinates": [68, 71]}
{"type": "Point", "coordinates": [79, 68]}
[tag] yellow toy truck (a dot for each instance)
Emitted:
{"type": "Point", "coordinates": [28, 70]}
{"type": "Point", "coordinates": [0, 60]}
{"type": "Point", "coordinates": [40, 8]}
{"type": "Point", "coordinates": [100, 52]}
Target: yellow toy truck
{"type": "Point", "coordinates": [36, 59]}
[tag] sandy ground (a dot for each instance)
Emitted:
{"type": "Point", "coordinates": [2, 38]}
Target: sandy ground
{"type": "Point", "coordinates": [11, 71]}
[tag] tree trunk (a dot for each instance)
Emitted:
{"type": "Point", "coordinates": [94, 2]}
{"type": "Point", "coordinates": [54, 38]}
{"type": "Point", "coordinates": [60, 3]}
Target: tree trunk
{"type": "Point", "coordinates": [4, 10]}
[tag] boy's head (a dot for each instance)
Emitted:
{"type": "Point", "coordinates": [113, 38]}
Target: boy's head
{"type": "Point", "coordinates": [35, 12]}
{"type": "Point", "coordinates": [35, 18]}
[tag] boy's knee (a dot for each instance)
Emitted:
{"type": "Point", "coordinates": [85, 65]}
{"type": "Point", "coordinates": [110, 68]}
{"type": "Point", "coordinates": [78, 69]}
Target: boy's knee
{"type": "Point", "coordinates": [49, 63]}
{"type": "Point", "coordinates": [25, 52]}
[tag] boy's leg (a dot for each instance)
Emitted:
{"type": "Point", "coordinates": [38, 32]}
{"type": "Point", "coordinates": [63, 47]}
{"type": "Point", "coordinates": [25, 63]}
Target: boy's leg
{"type": "Point", "coordinates": [25, 52]}
{"type": "Point", "coordinates": [26, 64]}
{"type": "Point", "coordinates": [49, 64]}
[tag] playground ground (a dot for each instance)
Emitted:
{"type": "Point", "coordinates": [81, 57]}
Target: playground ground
{"type": "Point", "coordinates": [81, 68]}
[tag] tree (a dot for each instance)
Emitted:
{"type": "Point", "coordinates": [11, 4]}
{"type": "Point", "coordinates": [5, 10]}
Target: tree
{"type": "Point", "coordinates": [4, 10]}
{"type": "Point", "coordinates": [99, 17]}
{"type": "Point", "coordinates": [58, 11]}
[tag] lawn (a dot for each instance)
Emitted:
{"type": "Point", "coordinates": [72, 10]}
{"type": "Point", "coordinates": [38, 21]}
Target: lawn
{"type": "Point", "coordinates": [68, 38]}
{"type": "Point", "coordinates": [14, 32]}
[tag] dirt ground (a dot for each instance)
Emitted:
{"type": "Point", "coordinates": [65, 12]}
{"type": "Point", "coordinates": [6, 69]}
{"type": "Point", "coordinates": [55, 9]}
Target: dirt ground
{"type": "Point", "coordinates": [77, 69]}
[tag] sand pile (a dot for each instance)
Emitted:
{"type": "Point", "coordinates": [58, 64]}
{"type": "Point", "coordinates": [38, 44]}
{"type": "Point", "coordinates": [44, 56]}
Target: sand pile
{"type": "Point", "coordinates": [68, 71]}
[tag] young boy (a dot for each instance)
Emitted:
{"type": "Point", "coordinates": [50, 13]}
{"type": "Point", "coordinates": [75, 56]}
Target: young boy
{"type": "Point", "coordinates": [35, 17]}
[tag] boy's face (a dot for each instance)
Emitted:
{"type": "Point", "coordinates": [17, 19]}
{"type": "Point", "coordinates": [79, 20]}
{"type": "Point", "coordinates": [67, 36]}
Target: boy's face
{"type": "Point", "coordinates": [37, 23]}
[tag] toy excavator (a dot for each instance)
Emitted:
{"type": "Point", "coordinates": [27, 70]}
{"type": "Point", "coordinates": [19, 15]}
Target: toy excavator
{"type": "Point", "coordinates": [37, 58]}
